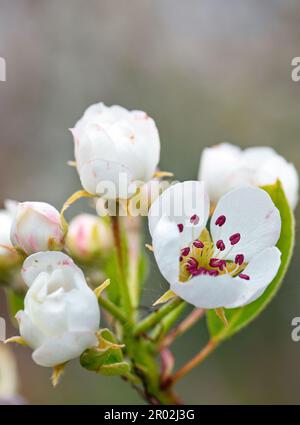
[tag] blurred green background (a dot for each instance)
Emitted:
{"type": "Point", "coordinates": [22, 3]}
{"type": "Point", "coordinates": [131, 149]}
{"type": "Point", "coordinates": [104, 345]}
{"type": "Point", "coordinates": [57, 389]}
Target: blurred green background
{"type": "Point", "coordinates": [207, 71]}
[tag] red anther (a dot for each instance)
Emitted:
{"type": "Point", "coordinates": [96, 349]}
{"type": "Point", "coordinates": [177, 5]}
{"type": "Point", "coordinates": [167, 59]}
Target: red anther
{"type": "Point", "coordinates": [239, 259]}
{"type": "Point", "coordinates": [192, 265]}
{"type": "Point", "coordinates": [222, 265]}
{"type": "Point", "coordinates": [193, 262]}
{"type": "Point", "coordinates": [220, 220]}
{"type": "Point", "coordinates": [234, 239]}
{"type": "Point", "coordinates": [213, 272]}
{"type": "Point", "coordinates": [198, 244]}
{"type": "Point", "coordinates": [220, 245]}
{"type": "Point", "coordinates": [214, 262]}
{"type": "Point", "coordinates": [195, 219]}
{"type": "Point", "coordinates": [185, 251]}
{"type": "Point", "coordinates": [200, 271]}
{"type": "Point", "coordinates": [244, 276]}
{"type": "Point", "coordinates": [180, 227]}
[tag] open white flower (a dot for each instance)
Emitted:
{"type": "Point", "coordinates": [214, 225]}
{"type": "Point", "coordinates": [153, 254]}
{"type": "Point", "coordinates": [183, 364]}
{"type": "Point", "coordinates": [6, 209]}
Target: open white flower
{"type": "Point", "coordinates": [61, 314]}
{"type": "Point", "coordinates": [233, 264]}
{"type": "Point", "coordinates": [112, 141]}
{"type": "Point", "coordinates": [225, 167]}
{"type": "Point", "coordinates": [37, 226]}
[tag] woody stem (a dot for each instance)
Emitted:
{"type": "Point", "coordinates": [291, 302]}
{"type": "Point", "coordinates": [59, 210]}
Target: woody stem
{"type": "Point", "coordinates": [199, 358]}
{"type": "Point", "coordinates": [184, 326]}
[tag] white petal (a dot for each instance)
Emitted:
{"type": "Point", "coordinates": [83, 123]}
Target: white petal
{"type": "Point", "coordinates": [253, 158]}
{"type": "Point", "coordinates": [166, 247]}
{"type": "Point", "coordinates": [93, 143]}
{"type": "Point", "coordinates": [47, 261]}
{"type": "Point", "coordinates": [47, 310]}
{"type": "Point", "coordinates": [60, 349]}
{"type": "Point", "coordinates": [82, 310]}
{"type": "Point", "coordinates": [180, 203]}
{"type": "Point", "coordinates": [29, 331]}
{"type": "Point", "coordinates": [278, 168]}
{"type": "Point", "coordinates": [111, 180]}
{"type": "Point", "coordinates": [221, 169]}
{"type": "Point", "coordinates": [224, 291]}
{"type": "Point", "coordinates": [251, 213]}
{"type": "Point", "coordinates": [5, 226]}
{"type": "Point", "coordinates": [262, 269]}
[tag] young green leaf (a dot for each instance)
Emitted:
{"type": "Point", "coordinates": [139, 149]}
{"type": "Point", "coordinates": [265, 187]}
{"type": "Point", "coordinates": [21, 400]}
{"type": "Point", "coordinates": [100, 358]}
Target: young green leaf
{"type": "Point", "coordinates": [238, 318]}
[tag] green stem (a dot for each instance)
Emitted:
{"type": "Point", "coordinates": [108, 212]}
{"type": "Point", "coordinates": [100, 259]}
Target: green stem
{"type": "Point", "coordinates": [154, 318]}
{"type": "Point", "coordinates": [113, 310]}
{"type": "Point", "coordinates": [167, 322]}
{"type": "Point", "coordinates": [125, 294]}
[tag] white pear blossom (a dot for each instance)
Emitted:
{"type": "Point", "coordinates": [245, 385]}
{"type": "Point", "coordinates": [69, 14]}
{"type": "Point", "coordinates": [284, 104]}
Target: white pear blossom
{"type": "Point", "coordinates": [225, 167]}
{"type": "Point", "coordinates": [113, 144]}
{"type": "Point", "coordinates": [37, 226]}
{"type": "Point", "coordinates": [233, 264]}
{"type": "Point", "coordinates": [88, 235]}
{"type": "Point", "coordinates": [7, 252]}
{"type": "Point", "coordinates": [61, 314]}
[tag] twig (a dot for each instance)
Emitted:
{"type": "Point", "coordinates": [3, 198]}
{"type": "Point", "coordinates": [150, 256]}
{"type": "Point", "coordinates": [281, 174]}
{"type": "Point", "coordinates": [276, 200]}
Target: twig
{"type": "Point", "coordinates": [199, 358]}
{"type": "Point", "coordinates": [184, 326]}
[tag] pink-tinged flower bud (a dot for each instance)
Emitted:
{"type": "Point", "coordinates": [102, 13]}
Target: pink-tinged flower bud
{"type": "Point", "coordinates": [88, 236]}
{"type": "Point", "coordinates": [37, 226]}
{"type": "Point", "coordinates": [8, 255]}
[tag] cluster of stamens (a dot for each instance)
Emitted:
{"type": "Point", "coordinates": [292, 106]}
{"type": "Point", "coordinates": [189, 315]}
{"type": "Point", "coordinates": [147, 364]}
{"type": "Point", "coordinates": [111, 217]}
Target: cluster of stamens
{"type": "Point", "coordinates": [203, 257]}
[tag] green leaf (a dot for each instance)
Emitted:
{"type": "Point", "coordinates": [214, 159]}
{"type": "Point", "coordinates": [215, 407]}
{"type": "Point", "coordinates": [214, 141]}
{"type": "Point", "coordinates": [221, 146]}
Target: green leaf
{"type": "Point", "coordinates": [238, 318]}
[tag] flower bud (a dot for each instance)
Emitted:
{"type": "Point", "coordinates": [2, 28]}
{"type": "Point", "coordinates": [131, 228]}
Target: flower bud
{"type": "Point", "coordinates": [114, 148]}
{"type": "Point", "coordinates": [8, 256]}
{"type": "Point", "coordinates": [61, 314]}
{"type": "Point", "coordinates": [88, 236]}
{"type": "Point", "coordinates": [37, 226]}
{"type": "Point", "coordinates": [226, 167]}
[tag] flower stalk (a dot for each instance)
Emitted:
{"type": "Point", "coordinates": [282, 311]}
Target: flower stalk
{"type": "Point", "coordinates": [125, 293]}
{"type": "Point", "coordinates": [113, 310]}
{"type": "Point", "coordinates": [155, 317]}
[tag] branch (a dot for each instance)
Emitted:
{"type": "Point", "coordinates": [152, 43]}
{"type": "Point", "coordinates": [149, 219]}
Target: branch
{"type": "Point", "coordinates": [184, 326]}
{"type": "Point", "coordinates": [199, 358]}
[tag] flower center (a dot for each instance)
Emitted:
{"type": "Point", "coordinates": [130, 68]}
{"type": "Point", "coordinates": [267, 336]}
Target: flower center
{"type": "Point", "coordinates": [203, 257]}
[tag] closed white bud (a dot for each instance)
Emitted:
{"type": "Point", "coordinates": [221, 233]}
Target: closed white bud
{"type": "Point", "coordinates": [114, 148]}
{"type": "Point", "coordinates": [61, 314]}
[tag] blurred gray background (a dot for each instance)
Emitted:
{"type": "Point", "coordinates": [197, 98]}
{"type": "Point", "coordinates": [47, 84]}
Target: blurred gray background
{"type": "Point", "coordinates": [207, 71]}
